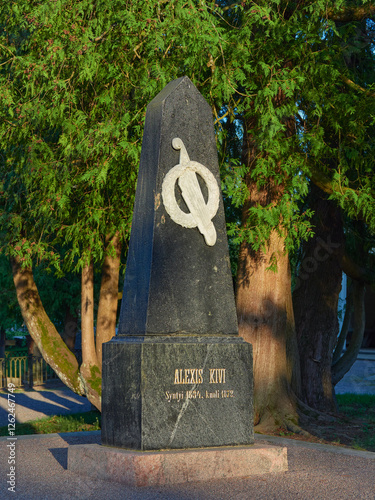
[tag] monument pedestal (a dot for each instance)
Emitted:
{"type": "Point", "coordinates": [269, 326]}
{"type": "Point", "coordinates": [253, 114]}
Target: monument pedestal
{"type": "Point", "coordinates": [172, 392]}
{"type": "Point", "coordinates": [156, 468]}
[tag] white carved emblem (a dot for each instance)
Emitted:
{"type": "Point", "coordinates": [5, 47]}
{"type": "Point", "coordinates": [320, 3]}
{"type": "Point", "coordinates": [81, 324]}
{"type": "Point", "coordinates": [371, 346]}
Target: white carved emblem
{"type": "Point", "coordinates": [201, 214]}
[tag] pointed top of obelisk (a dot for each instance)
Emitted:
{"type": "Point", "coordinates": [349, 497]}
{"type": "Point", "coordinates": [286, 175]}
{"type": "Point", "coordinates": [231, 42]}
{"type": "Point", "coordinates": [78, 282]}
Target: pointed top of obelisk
{"type": "Point", "coordinates": [178, 278]}
{"type": "Point", "coordinates": [177, 85]}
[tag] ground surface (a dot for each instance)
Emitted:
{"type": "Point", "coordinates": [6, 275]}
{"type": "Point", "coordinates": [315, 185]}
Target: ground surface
{"type": "Point", "coordinates": [316, 472]}
{"type": "Point", "coordinates": [360, 379]}
{"type": "Point", "coordinates": [56, 399]}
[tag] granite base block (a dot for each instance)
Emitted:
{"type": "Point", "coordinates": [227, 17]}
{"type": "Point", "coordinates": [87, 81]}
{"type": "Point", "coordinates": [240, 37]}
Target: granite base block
{"type": "Point", "coordinates": [155, 468]}
{"type": "Point", "coordinates": [163, 393]}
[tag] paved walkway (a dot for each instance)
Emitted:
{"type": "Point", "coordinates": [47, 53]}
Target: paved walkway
{"type": "Point", "coordinates": [360, 379]}
{"type": "Point", "coordinates": [42, 401]}
{"type": "Point", "coordinates": [316, 472]}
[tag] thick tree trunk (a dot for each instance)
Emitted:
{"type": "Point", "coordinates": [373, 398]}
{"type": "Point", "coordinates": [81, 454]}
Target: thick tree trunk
{"type": "Point", "coordinates": [108, 300]}
{"type": "Point", "coordinates": [265, 317]}
{"type": "Point", "coordinates": [264, 306]}
{"type": "Point", "coordinates": [48, 340]}
{"type": "Point", "coordinates": [90, 373]}
{"type": "Point", "coordinates": [315, 301]}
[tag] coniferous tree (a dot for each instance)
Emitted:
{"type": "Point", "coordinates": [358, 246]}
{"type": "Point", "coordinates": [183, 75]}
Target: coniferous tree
{"type": "Point", "coordinates": [75, 80]}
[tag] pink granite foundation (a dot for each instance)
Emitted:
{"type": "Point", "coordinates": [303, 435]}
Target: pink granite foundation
{"type": "Point", "coordinates": [156, 468]}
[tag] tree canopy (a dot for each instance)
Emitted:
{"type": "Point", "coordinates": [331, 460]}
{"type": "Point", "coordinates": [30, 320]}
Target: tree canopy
{"type": "Point", "coordinates": [292, 89]}
{"type": "Point", "coordinates": [76, 78]}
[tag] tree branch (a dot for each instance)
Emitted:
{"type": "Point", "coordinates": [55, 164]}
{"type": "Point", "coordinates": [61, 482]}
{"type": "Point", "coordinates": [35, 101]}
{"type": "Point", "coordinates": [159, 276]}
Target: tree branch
{"type": "Point", "coordinates": [231, 6]}
{"type": "Point", "coordinates": [349, 14]}
{"type": "Point", "coordinates": [323, 182]}
{"type": "Point", "coordinates": [345, 327]}
{"type": "Point", "coordinates": [357, 87]}
{"type": "Point", "coordinates": [90, 375]}
{"type": "Point", "coordinates": [343, 365]}
{"type": "Point", "coordinates": [54, 350]}
{"type": "Point", "coordinates": [355, 271]}
{"type": "Point", "coordinates": [98, 38]}
{"type": "Point", "coordinates": [228, 112]}
{"type": "Point", "coordinates": [108, 300]}
{"type": "Point", "coordinates": [87, 315]}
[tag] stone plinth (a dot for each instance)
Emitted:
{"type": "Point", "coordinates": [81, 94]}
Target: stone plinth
{"type": "Point", "coordinates": [185, 392]}
{"type": "Point", "coordinates": [157, 468]}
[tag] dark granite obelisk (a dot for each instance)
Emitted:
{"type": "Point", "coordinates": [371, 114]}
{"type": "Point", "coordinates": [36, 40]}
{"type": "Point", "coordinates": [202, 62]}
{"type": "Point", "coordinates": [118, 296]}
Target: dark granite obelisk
{"type": "Point", "coordinates": [177, 375]}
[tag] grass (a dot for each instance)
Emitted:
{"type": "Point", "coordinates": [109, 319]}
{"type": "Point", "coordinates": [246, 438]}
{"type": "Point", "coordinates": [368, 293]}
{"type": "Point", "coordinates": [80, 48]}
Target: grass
{"type": "Point", "coordinates": [88, 421]}
{"type": "Point", "coordinates": [357, 405]}
{"type": "Point", "coordinates": [352, 426]}
{"type": "Point", "coordinates": [360, 410]}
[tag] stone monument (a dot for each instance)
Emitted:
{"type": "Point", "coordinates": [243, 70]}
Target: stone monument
{"type": "Point", "coordinates": [177, 376]}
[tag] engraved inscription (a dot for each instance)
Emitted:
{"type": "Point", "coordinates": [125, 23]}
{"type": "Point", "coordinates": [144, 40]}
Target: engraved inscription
{"type": "Point", "coordinates": [175, 396]}
{"type": "Point", "coordinates": [188, 376]}
{"type": "Point", "coordinates": [227, 394]}
{"type": "Point", "coordinates": [217, 375]}
{"type": "Point", "coordinates": [194, 395]}
{"type": "Point", "coordinates": [196, 377]}
{"type": "Point", "coordinates": [213, 395]}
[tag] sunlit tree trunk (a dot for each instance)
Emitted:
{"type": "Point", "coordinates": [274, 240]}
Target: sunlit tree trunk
{"type": "Point", "coordinates": [265, 317]}
{"type": "Point", "coordinates": [108, 300]}
{"type": "Point", "coordinates": [264, 302]}
{"type": "Point", "coordinates": [48, 340]}
{"type": "Point", "coordinates": [90, 373]}
{"type": "Point", "coordinates": [265, 311]}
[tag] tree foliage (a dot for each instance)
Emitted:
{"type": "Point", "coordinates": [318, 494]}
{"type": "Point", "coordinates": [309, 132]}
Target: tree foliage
{"type": "Point", "coordinates": [305, 86]}
{"type": "Point", "coordinates": [303, 75]}
{"type": "Point", "coordinates": [291, 86]}
{"type": "Point", "coordinates": [75, 80]}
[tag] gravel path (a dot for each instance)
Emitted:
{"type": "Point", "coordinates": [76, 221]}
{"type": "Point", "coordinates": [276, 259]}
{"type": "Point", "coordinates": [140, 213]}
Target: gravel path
{"type": "Point", "coordinates": [316, 472]}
